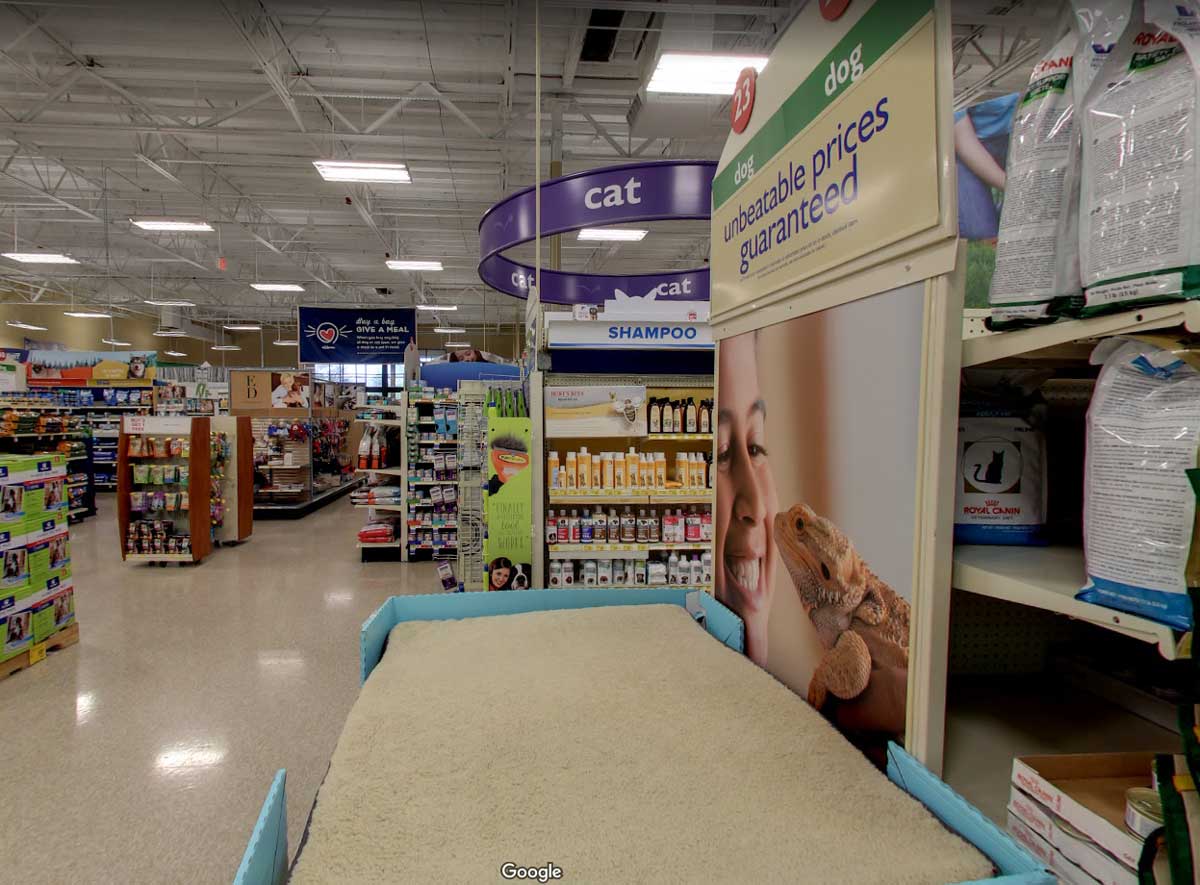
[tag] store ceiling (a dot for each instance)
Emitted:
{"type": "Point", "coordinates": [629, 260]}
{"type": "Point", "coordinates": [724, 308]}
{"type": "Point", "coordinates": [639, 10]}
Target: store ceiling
{"type": "Point", "coordinates": [215, 110]}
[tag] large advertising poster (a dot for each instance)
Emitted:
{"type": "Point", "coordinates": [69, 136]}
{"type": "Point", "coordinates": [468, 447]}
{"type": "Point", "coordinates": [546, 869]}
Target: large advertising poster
{"type": "Point", "coordinates": [336, 335]}
{"type": "Point", "coordinates": [264, 389]}
{"type": "Point", "coordinates": [817, 453]}
{"type": "Point", "coordinates": [508, 505]}
{"type": "Point", "coordinates": [100, 368]}
{"type": "Point", "coordinates": [842, 158]}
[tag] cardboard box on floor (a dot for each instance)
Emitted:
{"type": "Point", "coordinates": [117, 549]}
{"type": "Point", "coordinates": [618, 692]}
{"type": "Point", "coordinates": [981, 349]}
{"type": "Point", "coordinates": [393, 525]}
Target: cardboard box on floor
{"type": "Point", "coordinates": [1048, 854]}
{"type": "Point", "coordinates": [1087, 791]}
{"type": "Point", "coordinates": [1099, 865]}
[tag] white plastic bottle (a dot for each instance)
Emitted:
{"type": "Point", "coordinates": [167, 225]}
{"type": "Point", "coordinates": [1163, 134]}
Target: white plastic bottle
{"type": "Point", "coordinates": [706, 569]}
{"type": "Point", "coordinates": [706, 525]}
{"type": "Point", "coordinates": [607, 479]}
{"type": "Point", "coordinates": [599, 527]}
{"type": "Point", "coordinates": [697, 570]}
{"type": "Point", "coordinates": [556, 573]}
{"type": "Point", "coordinates": [614, 526]}
{"type": "Point", "coordinates": [573, 522]}
{"type": "Point", "coordinates": [568, 572]}
{"type": "Point", "coordinates": [551, 528]}
{"type": "Point", "coordinates": [586, 528]}
{"type": "Point", "coordinates": [673, 568]}
{"type": "Point", "coordinates": [589, 573]}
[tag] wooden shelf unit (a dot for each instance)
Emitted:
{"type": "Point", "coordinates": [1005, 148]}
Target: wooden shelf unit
{"type": "Point", "coordinates": [199, 480]}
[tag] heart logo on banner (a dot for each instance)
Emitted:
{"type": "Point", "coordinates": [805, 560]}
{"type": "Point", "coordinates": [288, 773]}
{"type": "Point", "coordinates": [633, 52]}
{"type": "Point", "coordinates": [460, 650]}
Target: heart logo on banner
{"type": "Point", "coordinates": [327, 334]}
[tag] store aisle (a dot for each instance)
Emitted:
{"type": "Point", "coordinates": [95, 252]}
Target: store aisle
{"type": "Point", "coordinates": [143, 753]}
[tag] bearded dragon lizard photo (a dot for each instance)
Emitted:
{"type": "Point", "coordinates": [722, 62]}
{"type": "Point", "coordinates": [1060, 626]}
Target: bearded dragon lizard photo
{"type": "Point", "coordinates": [853, 610]}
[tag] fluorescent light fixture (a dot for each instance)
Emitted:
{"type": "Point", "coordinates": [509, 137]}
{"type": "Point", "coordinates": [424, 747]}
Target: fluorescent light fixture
{"type": "Point", "coordinates": [697, 73]}
{"type": "Point", "coordinates": [170, 224]}
{"type": "Point", "coordinates": [406, 264]}
{"type": "Point", "coordinates": [174, 353]}
{"type": "Point", "coordinates": [169, 332]}
{"type": "Point", "coordinates": [286, 342]}
{"type": "Point", "coordinates": [612, 234]}
{"type": "Point", "coordinates": [450, 344]}
{"type": "Point", "coordinates": [115, 342]}
{"type": "Point", "coordinates": [379, 173]}
{"type": "Point", "coordinates": [158, 303]}
{"type": "Point", "coordinates": [449, 330]}
{"type": "Point", "coordinates": [243, 327]}
{"type": "Point", "coordinates": [88, 314]}
{"type": "Point", "coordinates": [437, 307]}
{"type": "Point", "coordinates": [225, 347]}
{"type": "Point", "coordinates": [40, 257]}
{"type": "Point", "coordinates": [17, 324]}
{"type": "Point", "coordinates": [277, 287]}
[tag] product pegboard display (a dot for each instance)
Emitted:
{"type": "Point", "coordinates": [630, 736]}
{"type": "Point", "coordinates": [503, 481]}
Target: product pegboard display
{"type": "Point", "coordinates": [165, 495]}
{"type": "Point", "coordinates": [472, 440]}
{"type": "Point", "coordinates": [432, 478]}
{"type": "Point", "coordinates": [37, 591]}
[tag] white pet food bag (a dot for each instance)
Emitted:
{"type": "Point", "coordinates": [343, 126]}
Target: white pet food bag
{"type": "Point", "coordinates": [1098, 26]}
{"type": "Point", "coordinates": [1000, 496]}
{"type": "Point", "coordinates": [1139, 508]}
{"type": "Point", "coordinates": [1138, 237]}
{"type": "Point", "coordinates": [1035, 194]}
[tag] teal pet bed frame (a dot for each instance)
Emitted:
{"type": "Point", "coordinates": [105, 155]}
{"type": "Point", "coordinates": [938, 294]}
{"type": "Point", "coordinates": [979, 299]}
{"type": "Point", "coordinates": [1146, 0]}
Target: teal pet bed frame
{"type": "Point", "coordinates": [266, 859]}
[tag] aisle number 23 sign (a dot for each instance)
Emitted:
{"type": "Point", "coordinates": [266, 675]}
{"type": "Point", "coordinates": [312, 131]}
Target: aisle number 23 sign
{"type": "Point", "coordinates": [743, 100]}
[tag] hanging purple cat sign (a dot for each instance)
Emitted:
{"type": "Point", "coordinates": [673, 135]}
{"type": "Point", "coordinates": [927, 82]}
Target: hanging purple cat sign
{"type": "Point", "coordinates": [632, 193]}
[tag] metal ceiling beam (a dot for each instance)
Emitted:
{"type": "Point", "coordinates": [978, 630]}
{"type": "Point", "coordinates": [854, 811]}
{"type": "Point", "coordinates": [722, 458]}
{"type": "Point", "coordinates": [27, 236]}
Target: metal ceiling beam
{"type": "Point", "coordinates": [574, 48]}
{"type": "Point", "coordinates": [254, 26]}
{"type": "Point", "coordinates": [234, 111]}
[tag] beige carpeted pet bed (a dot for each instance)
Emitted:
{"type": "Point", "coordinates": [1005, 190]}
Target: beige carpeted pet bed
{"type": "Point", "coordinates": [622, 744]}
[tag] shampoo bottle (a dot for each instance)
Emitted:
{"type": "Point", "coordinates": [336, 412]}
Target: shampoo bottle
{"type": "Point", "coordinates": [668, 417]}
{"type": "Point", "coordinates": [584, 462]}
{"type": "Point", "coordinates": [655, 416]}
{"type": "Point", "coordinates": [660, 470]}
{"type": "Point", "coordinates": [632, 479]}
{"type": "Point", "coordinates": [552, 464]}
{"type": "Point", "coordinates": [689, 420]}
{"type": "Point", "coordinates": [569, 476]}
{"type": "Point", "coordinates": [608, 479]}
{"type": "Point", "coordinates": [618, 470]}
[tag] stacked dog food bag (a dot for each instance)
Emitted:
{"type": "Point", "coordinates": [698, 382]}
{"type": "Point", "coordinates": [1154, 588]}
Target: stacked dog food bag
{"type": "Point", "coordinates": [36, 592]}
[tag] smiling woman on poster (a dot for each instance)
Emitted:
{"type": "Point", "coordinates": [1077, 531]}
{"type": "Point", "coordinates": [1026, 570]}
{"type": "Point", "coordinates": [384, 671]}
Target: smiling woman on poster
{"type": "Point", "coordinates": [744, 574]}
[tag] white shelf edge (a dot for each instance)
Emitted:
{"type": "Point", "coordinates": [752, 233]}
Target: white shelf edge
{"type": "Point", "coordinates": [1048, 578]}
{"type": "Point", "coordinates": [999, 345]}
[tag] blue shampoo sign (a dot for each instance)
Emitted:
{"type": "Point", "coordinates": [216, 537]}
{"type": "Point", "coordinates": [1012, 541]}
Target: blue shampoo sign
{"type": "Point", "coordinates": [369, 335]}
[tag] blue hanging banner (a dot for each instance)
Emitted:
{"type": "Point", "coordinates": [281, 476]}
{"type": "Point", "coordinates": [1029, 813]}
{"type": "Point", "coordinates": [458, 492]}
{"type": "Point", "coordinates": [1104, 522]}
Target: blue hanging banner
{"type": "Point", "coordinates": [369, 335]}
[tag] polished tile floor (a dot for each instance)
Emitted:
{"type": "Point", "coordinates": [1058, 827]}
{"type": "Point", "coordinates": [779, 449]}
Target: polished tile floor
{"type": "Point", "coordinates": [143, 753]}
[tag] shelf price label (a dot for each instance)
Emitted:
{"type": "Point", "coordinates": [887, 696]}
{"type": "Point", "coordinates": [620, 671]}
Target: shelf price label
{"type": "Point", "coordinates": [37, 652]}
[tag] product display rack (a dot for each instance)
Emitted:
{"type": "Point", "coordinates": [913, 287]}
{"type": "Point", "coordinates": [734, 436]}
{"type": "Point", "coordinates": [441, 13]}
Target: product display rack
{"type": "Point", "coordinates": [160, 442]}
{"type": "Point", "coordinates": [472, 443]}
{"type": "Point", "coordinates": [303, 457]}
{"type": "Point", "coordinates": [644, 557]}
{"type": "Point", "coordinates": [80, 486]}
{"type": "Point", "coordinates": [432, 481]}
{"type": "Point", "coordinates": [100, 408]}
{"type": "Point", "coordinates": [384, 422]}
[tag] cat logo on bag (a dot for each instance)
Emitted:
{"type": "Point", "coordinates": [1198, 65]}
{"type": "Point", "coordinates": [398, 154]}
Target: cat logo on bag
{"type": "Point", "coordinates": [991, 466]}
